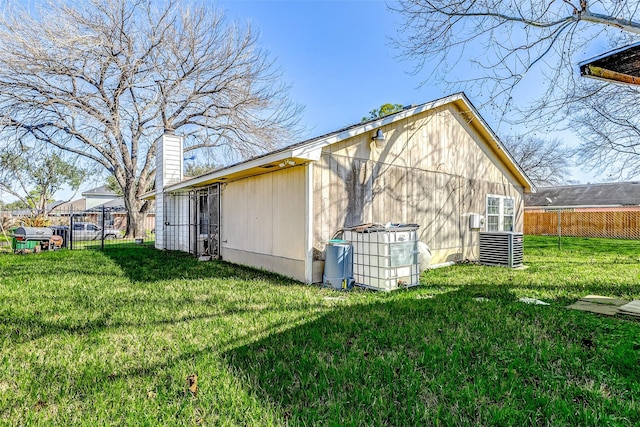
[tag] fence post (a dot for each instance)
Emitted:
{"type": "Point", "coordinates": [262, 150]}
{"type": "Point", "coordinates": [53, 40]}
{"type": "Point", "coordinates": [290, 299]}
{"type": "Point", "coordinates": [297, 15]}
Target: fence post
{"type": "Point", "coordinates": [559, 227]}
{"type": "Point", "coordinates": [102, 230]}
{"type": "Point", "coordinates": [70, 236]}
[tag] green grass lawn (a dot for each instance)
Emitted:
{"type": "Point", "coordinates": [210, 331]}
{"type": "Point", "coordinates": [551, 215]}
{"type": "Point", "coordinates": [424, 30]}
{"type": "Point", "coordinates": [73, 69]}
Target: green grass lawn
{"type": "Point", "coordinates": [109, 338]}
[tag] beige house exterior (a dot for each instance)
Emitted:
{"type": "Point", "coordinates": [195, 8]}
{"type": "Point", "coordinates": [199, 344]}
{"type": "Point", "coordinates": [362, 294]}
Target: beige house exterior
{"type": "Point", "coordinates": [439, 163]}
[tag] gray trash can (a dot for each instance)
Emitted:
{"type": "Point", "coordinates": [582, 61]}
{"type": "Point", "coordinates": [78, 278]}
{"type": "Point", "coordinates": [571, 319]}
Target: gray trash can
{"type": "Point", "coordinates": [338, 265]}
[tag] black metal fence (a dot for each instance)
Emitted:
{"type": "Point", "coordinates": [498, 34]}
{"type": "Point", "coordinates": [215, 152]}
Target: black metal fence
{"type": "Point", "coordinates": [87, 229]}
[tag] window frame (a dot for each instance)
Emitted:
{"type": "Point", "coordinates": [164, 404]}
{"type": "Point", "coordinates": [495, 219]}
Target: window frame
{"type": "Point", "coordinates": [501, 212]}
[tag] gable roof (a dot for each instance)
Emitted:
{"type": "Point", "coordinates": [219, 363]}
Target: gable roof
{"type": "Point", "coordinates": [585, 195]}
{"type": "Point", "coordinates": [115, 205]}
{"type": "Point", "coordinates": [310, 149]}
{"type": "Point", "coordinates": [620, 65]}
{"type": "Point", "coordinates": [102, 191]}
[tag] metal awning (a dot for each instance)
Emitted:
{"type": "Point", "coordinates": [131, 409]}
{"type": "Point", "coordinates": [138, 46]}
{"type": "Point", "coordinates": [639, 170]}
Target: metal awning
{"type": "Point", "coordinates": [620, 65]}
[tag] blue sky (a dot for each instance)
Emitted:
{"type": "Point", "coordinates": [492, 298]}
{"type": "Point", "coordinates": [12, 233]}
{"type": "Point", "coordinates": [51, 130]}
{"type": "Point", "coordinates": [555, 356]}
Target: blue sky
{"type": "Point", "coordinates": [338, 58]}
{"type": "Point", "coordinates": [336, 55]}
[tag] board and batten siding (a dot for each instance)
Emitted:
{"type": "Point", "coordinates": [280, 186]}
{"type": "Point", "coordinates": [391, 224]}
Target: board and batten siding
{"type": "Point", "coordinates": [263, 221]}
{"type": "Point", "coordinates": [433, 170]}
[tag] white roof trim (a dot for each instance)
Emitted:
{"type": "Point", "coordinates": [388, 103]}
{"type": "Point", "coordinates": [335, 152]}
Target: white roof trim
{"type": "Point", "coordinates": [193, 182]}
{"type": "Point", "coordinates": [312, 149]}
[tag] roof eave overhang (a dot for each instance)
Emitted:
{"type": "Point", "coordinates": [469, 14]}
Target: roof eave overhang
{"type": "Point", "coordinates": [149, 195]}
{"type": "Point", "coordinates": [89, 194]}
{"type": "Point", "coordinates": [312, 150]}
{"type": "Point", "coordinates": [619, 66]}
{"type": "Point", "coordinates": [499, 149]}
{"type": "Point", "coordinates": [600, 73]}
{"type": "Point", "coordinates": [268, 163]}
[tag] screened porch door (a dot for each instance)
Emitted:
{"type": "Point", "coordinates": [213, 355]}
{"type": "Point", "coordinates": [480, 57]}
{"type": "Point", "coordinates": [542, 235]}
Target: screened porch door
{"type": "Point", "coordinates": [207, 226]}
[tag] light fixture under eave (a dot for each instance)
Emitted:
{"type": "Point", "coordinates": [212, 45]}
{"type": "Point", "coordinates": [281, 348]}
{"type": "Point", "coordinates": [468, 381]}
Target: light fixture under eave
{"type": "Point", "coordinates": [287, 163]}
{"type": "Point", "coordinates": [378, 138]}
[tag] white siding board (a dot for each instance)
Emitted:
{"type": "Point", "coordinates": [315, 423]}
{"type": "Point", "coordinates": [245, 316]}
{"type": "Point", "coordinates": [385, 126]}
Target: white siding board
{"type": "Point", "coordinates": [319, 170]}
{"type": "Point", "coordinates": [168, 171]}
{"type": "Point", "coordinates": [335, 197]}
{"type": "Point", "coordinates": [159, 232]}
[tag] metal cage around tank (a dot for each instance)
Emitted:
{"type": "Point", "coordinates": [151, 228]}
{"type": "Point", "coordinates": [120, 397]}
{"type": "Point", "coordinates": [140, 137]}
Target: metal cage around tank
{"type": "Point", "coordinates": [385, 258]}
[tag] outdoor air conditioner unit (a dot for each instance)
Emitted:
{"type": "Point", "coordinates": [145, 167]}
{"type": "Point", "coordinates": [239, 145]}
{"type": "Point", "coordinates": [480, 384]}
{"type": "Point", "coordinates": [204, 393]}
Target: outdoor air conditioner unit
{"type": "Point", "coordinates": [504, 249]}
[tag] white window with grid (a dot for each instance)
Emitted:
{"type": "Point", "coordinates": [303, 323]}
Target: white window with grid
{"type": "Point", "coordinates": [500, 213]}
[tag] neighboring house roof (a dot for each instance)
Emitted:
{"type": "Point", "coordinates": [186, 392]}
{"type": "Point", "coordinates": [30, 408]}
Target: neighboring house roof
{"type": "Point", "coordinates": [620, 65]}
{"type": "Point", "coordinates": [102, 191]}
{"type": "Point", "coordinates": [586, 195]}
{"type": "Point", "coordinates": [55, 204]}
{"type": "Point", "coordinates": [115, 205]}
{"type": "Point", "coordinates": [21, 212]}
{"type": "Point", "coordinates": [61, 206]}
{"type": "Point", "coordinates": [310, 150]}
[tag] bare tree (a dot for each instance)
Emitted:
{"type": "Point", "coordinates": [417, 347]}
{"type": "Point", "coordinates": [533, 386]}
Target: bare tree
{"type": "Point", "coordinates": [610, 131]}
{"type": "Point", "coordinates": [110, 75]}
{"type": "Point", "coordinates": [545, 161]}
{"type": "Point", "coordinates": [495, 44]}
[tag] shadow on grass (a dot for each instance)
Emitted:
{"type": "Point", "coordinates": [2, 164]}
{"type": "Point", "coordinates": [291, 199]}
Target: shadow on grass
{"type": "Point", "coordinates": [449, 360]}
{"type": "Point", "coordinates": [137, 263]}
{"type": "Point", "coordinates": [90, 307]}
{"type": "Point", "coordinates": [30, 326]}
{"type": "Point", "coordinates": [149, 264]}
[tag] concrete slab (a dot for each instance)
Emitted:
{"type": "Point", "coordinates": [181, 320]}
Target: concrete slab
{"type": "Point", "coordinates": [631, 309]}
{"type": "Point", "coordinates": [607, 309]}
{"type": "Point", "coordinates": [597, 299]}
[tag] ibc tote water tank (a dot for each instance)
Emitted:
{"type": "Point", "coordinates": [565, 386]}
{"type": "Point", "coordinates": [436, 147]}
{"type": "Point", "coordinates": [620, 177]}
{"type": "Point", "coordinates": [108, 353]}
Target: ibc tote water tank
{"type": "Point", "coordinates": [338, 265]}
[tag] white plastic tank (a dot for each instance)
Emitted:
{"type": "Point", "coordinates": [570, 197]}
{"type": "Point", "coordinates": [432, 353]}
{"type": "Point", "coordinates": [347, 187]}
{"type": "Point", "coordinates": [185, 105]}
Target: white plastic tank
{"type": "Point", "coordinates": [385, 257]}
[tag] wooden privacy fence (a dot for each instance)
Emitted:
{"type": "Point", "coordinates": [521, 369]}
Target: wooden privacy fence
{"type": "Point", "coordinates": [614, 225]}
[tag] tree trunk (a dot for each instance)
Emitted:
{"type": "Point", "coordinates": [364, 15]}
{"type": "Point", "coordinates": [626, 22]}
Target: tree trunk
{"type": "Point", "coordinates": [136, 213]}
{"type": "Point", "coordinates": [135, 225]}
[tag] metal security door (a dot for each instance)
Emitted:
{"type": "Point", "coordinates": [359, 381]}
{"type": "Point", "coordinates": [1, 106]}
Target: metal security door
{"type": "Point", "coordinates": [177, 224]}
{"type": "Point", "coordinates": [214, 220]}
{"type": "Point", "coordinates": [208, 222]}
